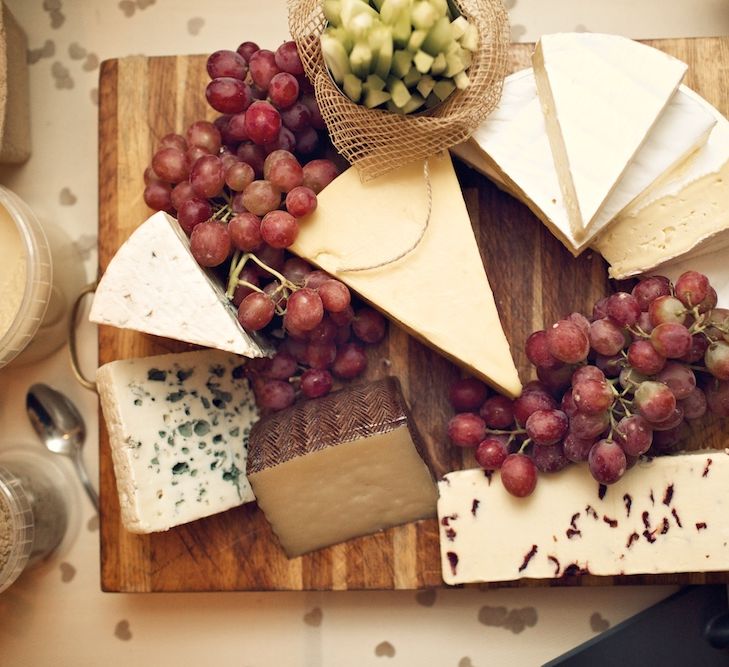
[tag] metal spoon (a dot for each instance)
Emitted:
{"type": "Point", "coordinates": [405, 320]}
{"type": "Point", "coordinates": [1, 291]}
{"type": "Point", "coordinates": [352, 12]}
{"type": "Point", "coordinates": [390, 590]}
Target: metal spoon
{"type": "Point", "coordinates": [61, 428]}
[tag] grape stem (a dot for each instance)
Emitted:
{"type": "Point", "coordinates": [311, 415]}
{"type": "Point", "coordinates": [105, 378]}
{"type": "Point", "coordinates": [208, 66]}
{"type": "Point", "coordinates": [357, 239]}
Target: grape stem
{"type": "Point", "coordinates": [515, 432]}
{"type": "Point", "coordinates": [236, 266]}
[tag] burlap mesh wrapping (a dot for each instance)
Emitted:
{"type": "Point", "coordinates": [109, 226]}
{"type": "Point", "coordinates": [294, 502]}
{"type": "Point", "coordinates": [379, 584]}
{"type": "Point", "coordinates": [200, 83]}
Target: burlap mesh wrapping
{"type": "Point", "coordinates": [377, 141]}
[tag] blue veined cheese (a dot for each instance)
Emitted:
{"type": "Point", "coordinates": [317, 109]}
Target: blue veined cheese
{"type": "Point", "coordinates": [670, 514]}
{"type": "Point", "coordinates": [178, 428]}
{"type": "Point", "coordinates": [153, 284]}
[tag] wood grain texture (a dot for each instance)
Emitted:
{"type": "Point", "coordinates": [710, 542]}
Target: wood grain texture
{"type": "Point", "coordinates": [534, 279]}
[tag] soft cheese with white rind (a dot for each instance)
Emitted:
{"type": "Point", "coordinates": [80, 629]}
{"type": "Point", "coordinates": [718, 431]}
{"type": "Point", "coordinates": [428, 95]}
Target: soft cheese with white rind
{"type": "Point", "coordinates": [688, 212]}
{"type": "Point", "coordinates": [667, 515]}
{"type": "Point", "coordinates": [178, 431]}
{"type": "Point", "coordinates": [439, 291]}
{"type": "Point", "coordinates": [511, 147]}
{"type": "Point", "coordinates": [153, 284]}
{"type": "Point", "coordinates": [601, 95]}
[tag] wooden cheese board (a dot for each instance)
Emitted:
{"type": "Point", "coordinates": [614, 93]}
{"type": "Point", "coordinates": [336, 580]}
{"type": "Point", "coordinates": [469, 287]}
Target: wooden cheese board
{"type": "Point", "coordinates": [534, 279]}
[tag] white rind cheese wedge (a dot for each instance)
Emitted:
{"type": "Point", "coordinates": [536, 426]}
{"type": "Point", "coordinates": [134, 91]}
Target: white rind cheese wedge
{"type": "Point", "coordinates": [686, 214]}
{"type": "Point", "coordinates": [439, 291]}
{"type": "Point", "coordinates": [178, 432]}
{"type": "Point", "coordinates": [153, 284]}
{"type": "Point", "coordinates": [512, 147]}
{"type": "Point", "coordinates": [667, 515]}
{"type": "Point", "coordinates": [601, 95]}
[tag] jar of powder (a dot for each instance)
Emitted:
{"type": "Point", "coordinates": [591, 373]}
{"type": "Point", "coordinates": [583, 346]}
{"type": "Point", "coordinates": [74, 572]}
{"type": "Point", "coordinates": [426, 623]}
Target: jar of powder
{"type": "Point", "coordinates": [34, 511]}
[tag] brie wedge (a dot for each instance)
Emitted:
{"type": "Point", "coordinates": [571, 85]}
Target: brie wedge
{"type": "Point", "coordinates": [512, 148]}
{"type": "Point", "coordinates": [667, 515]}
{"type": "Point", "coordinates": [601, 95]}
{"type": "Point", "coordinates": [438, 291]}
{"type": "Point", "coordinates": [153, 284]}
{"type": "Point", "coordinates": [686, 214]}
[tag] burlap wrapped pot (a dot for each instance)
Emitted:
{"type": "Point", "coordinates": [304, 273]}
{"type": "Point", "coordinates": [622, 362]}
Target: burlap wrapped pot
{"type": "Point", "coordinates": [377, 141]}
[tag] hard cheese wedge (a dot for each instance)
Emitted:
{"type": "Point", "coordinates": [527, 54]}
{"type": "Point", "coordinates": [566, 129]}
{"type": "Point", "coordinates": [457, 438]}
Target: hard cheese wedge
{"type": "Point", "coordinates": [439, 292]}
{"type": "Point", "coordinates": [153, 284]}
{"type": "Point", "coordinates": [667, 515]}
{"type": "Point", "coordinates": [601, 95]}
{"type": "Point", "coordinates": [178, 430]}
{"type": "Point", "coordinates": [687, 213]}
{"type": "Point", "coordinates": [512, 148]}
{"type": "Point", "coordinates": [341, 466]}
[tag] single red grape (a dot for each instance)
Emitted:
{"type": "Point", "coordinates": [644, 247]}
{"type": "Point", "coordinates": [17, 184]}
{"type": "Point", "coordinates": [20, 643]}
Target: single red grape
{"type": "Point", "coordinates": [467, 394]}
{"type": "Point", "coordinates": [497, 411]}
{"type": "Point", "coordinates": [519, 475]}
{"type": "Point", "coordinates": [606, 461]}
{"type": "Point", "coordinates": [210, 243]}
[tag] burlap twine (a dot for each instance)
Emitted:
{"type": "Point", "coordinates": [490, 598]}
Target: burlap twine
{"type": "Point", "coordinates": [377, 141]}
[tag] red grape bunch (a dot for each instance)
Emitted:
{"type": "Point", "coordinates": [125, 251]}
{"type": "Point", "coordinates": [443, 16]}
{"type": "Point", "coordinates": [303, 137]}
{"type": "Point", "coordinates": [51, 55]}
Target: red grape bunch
{"type": "Point", "coordinates": [619, 385]}
{"type": "Point", "coordinates": [307, 363]}
{"type": "Point", "coordinates": [238, 186]}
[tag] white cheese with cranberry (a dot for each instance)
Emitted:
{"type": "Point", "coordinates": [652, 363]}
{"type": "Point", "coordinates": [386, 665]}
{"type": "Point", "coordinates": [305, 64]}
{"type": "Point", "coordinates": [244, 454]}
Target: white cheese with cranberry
{"type": "Point", "coordinates": [670, 514]}
{"type": "Point", "coordinates": [178, 429]}
{"type": "Point", "coordinates": [153, 284]}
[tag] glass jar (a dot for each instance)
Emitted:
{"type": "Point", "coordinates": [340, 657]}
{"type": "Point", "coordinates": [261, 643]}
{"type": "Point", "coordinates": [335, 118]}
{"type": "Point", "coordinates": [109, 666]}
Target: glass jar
{"type": "Point", "coordinates": [34, 511]}
{"type": "Point", "coordinates": [41, 273]}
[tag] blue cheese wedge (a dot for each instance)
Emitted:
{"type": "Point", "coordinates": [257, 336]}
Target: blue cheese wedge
{"type": "Point", "coordinates": [667, 515]}
{"type": "Point", "coordinates": [178, 428]}
{"type": "Point", "coordinates": [153, 284]}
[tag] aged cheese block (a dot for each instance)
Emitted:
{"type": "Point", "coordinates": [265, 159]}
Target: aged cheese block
{"type": "Point", "coordinates": [438, 291]}
{"type": "Point", "coordinates": [687, 213]}
{"type": "Point", "coordinates": [330, 469]}
{"type": "Point", "coordinates": [153, 284]}
{"type": "Point", "coordinates": [667, 515]}
{"type": "Point", "coordinates": [178, 429]}
{"type": "Point", "coordinates": [601, 95]}
{"type": "Point", "coordinates": [512, 148]}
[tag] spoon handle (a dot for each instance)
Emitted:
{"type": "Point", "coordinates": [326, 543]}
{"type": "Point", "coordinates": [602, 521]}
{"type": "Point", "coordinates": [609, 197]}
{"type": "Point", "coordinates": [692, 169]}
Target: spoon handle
{"type": "Point", "coordinates": [84, 476]}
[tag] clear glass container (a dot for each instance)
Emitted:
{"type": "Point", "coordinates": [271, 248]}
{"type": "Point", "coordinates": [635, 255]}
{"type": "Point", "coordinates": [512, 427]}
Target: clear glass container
{"type": "Point", "coordinates": [35, 502]}
{"type": "Point", "coordinates": [40, 274]}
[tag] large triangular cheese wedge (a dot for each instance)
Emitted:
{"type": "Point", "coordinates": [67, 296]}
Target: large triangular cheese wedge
{"type": "Point", "coordinates": [511, 147]}
{"type": "Point", "coordinates": [153, 284]}
{"type": "Point", "coordinates": [686, 214]}
{"type": "Point", "coordinates": [601, 95]}
{"type": "Point", "coordinates": [363, 224]}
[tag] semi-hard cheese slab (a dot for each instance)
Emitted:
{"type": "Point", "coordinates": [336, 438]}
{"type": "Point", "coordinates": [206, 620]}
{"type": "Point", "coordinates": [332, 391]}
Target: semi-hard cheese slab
{"type": "Point", "coordinates": [342, 466]}
{"type": "Point", "coordinates": [534, 280]}
{"type": "Point", "coordinates": [670, 514]}
{"type": "Point", "coordinates": [601, 96]}
{"type": "Point", "coordinates": [372, 224]}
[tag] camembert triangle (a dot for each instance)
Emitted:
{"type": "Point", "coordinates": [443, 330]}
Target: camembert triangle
{"type": "Point", "coordinates": [439, 291]}
{"type": "Point", "coordinates": [512, 148]}
{"type": "Point", "coordinates": [153, 284]}
{"type": "Point", "coordinates": [601, 95]}
{"type": "Point", "coordinates": [685, 214]}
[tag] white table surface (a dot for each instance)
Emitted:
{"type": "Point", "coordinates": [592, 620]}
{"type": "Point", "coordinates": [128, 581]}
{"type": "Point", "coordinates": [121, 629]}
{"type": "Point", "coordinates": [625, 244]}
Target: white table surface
{"type": "Point", "coordinates": [56, 614]}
